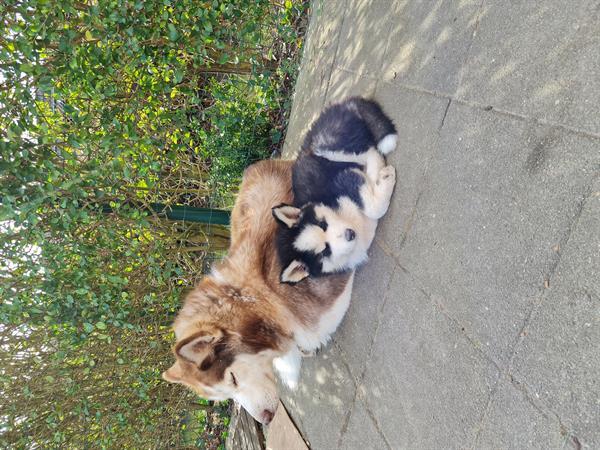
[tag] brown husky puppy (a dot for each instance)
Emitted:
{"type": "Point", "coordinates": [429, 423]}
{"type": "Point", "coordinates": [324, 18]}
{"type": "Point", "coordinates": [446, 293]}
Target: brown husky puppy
{"type": "Point", "coordinates": [240, 321]}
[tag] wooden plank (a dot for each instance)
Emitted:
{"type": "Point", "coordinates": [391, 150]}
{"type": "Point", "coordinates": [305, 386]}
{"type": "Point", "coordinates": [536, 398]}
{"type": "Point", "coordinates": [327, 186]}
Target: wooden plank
{"type": "Point", "coordinates": [244, 432]}
{"type": "Point", "coordinates": [283, 434]}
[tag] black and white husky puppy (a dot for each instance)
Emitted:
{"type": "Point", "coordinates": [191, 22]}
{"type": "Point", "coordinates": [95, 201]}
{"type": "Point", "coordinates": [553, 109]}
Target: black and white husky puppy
{"type": "Point", "coordinates": [342, 186]}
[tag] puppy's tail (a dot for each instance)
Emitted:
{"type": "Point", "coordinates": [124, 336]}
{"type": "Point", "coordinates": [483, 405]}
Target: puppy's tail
{"type": "Point", "coordinates": [380, 125]}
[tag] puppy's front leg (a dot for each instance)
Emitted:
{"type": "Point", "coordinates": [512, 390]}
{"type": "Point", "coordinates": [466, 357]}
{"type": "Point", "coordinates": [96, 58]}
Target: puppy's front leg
{"type": "Point", "coordinates": [373, 162]}
{"type": "Point", "coordinates": [376, 195]}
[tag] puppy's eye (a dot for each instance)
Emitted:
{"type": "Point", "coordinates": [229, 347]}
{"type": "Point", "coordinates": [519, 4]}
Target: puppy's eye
{"type": "Point", "coordinates": [323, 225]}
{"type": "Point", "coordinates": [233, 380]}
{"type": "Point", "coordinates": [327, 250]}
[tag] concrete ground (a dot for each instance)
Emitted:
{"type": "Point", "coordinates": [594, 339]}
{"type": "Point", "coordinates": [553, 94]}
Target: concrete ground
{"type": "Point", "coordinates": [476, 323]}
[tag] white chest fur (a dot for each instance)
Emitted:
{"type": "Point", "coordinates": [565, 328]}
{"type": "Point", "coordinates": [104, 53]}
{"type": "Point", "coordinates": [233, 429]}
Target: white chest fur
{"type": "Point", "coordinates": [288, 365]}
{"type": "Point", "coordinates": [312, 339]}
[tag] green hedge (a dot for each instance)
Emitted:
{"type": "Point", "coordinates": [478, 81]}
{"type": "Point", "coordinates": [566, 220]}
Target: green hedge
{"type": "Point", "coordinates": [107, 107]}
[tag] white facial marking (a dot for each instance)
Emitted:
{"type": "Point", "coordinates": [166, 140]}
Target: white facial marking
{"type": "Point", "coordinates": [347, 216]}
{"type": "Point", "coordinates": [311, 239]}
{"type": "Point", "coordinates": [256, 390]}
{"type": "Point", "coordinates": [346, 254]}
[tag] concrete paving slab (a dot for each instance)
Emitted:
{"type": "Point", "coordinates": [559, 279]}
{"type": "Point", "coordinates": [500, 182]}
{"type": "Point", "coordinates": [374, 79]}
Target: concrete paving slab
{"type": "Point", "coordinates": [516, 421]}
{"type": "Point", "coordinates": [559, 358]}
{"type": "Point", "coordinates": [315, 72]}
{"type": "Point", "coordinates": [425, 383]}
{"type": "Point", "coordinates": [345, 84]}
{"type": "Point", "coordinates": [356, 333]}
{"type": "Point", "coordinates": [365, 18]}
{"type": "Point", "coordinates": [538, 59]}
{"type": "Point", "coordinates": [417, 117]}
{"type": "Point", "coordinates": [361, 432]}
{"type": "Point", "coordinates": [428, 43]}
{"type": "Point", "coordinates": [492, 230]}
{"type": "Point", "coordinates": [321, 403]}
{"type": "Point", "coordinates": [500, 195]}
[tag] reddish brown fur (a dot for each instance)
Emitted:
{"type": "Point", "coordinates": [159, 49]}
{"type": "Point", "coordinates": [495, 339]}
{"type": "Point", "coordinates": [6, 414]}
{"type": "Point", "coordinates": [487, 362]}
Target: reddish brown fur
{"type": "Point", "coordinates": [243, 303]}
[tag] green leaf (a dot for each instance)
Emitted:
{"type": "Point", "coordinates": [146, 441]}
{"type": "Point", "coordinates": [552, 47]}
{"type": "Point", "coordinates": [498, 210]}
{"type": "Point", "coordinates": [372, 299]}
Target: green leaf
{"type": "Point", "coordinates": [101, 325]}
{"type": "Point", "coordinates": [27, 68]}
{"type": "Point", "coordinates": [88, 327]}
{"type": "Point", "coordinates": [178, 76]}
{"type": "Point", "coordinates": [173, 34]}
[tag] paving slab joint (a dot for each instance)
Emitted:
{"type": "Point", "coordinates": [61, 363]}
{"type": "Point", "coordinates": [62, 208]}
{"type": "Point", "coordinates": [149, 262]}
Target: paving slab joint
{"type": "Point", "coordinates": [475, 443]}
{"type": "Point", "coordinates": [357, 381]}
{"type": "Point", "coordinates": [347, 420]}
{"type": "Point", "coordinates": [493, 109]}
{"type": "Point", "coordinates": [472, 39]}
{"type": "Point", "coordinates": [521, 334]}
{"type": "Point", "coordinates": [374, 421]}
{"type": "Point", "coordinates": [544, 409]}
{"type": "Point", "coordinates": [377, 326]}
{"type": "Point", "coordinates": [438, 306]}
{"type": "Point", "coordinates": [335, 56]}
{"type": "Point", "coordinates": [445, 114]}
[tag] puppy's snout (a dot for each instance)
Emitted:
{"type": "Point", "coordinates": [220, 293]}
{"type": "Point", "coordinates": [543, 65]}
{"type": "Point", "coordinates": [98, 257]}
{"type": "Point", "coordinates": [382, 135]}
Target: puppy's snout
{"type": "Point", "coordinates": [349, 234]}
{"type": "Point", "coordinates": [267, 416]}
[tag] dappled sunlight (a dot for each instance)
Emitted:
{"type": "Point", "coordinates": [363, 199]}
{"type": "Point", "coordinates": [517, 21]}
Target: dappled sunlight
{"type": "Point", "coordinates": [403, 60]}
{"type": "Point", "coordinates": [536, 60]}
{"type": "Point", "coordinates": [344, 84]}
{"type": "Point", "coordinates": [430, 19]}
{"type": "Point", "coordinates": [427, 44]}
{"type": "Point", "coordinates": [497, 107]}
{"type": "Point", "coordinates": [551, 88]}
{"type": "Point", "coordinates": [324, 394]}
{"type": "Point", "coordinates": [502, 72]}
{"type": "Point", "coordinates": [364, 18]}
{"type": "Point", "coordinates": [444, 35]}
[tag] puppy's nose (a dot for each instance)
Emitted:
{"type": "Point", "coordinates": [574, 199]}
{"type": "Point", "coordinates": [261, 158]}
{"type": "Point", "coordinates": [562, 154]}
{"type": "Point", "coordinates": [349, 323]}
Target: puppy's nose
{"type": "Point", "coordinates": [267, 416]}
{"type": "Point", "coordinates": [349, 234]}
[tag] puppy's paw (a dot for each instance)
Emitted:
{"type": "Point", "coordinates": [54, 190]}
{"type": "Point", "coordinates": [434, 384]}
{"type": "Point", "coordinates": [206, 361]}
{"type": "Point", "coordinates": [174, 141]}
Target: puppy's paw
{"type": "Point", "coordinates": [387, 175]}
{"type": "Point", "coordinates": [309, 353]}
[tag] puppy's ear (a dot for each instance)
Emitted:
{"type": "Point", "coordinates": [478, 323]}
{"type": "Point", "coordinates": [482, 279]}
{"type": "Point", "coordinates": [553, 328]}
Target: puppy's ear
{"type": "Point", "coordinates": [296, 271]}
{"type": "Point", "coordinates": [196, 347]}
{"type": "Point", "coordinates": [287, 215]}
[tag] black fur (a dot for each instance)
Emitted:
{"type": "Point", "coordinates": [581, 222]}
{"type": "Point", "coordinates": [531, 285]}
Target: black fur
{"type": "Point", "coordinates": [353, 126]}
{"type": "Point", "coordinates": [316, 179]}
{"type": "Point", "coordinates": [286, 237]}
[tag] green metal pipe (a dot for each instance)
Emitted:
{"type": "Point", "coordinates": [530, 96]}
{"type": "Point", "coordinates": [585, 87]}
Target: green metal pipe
{"type": "Point", "coordinates": [190, 214]}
